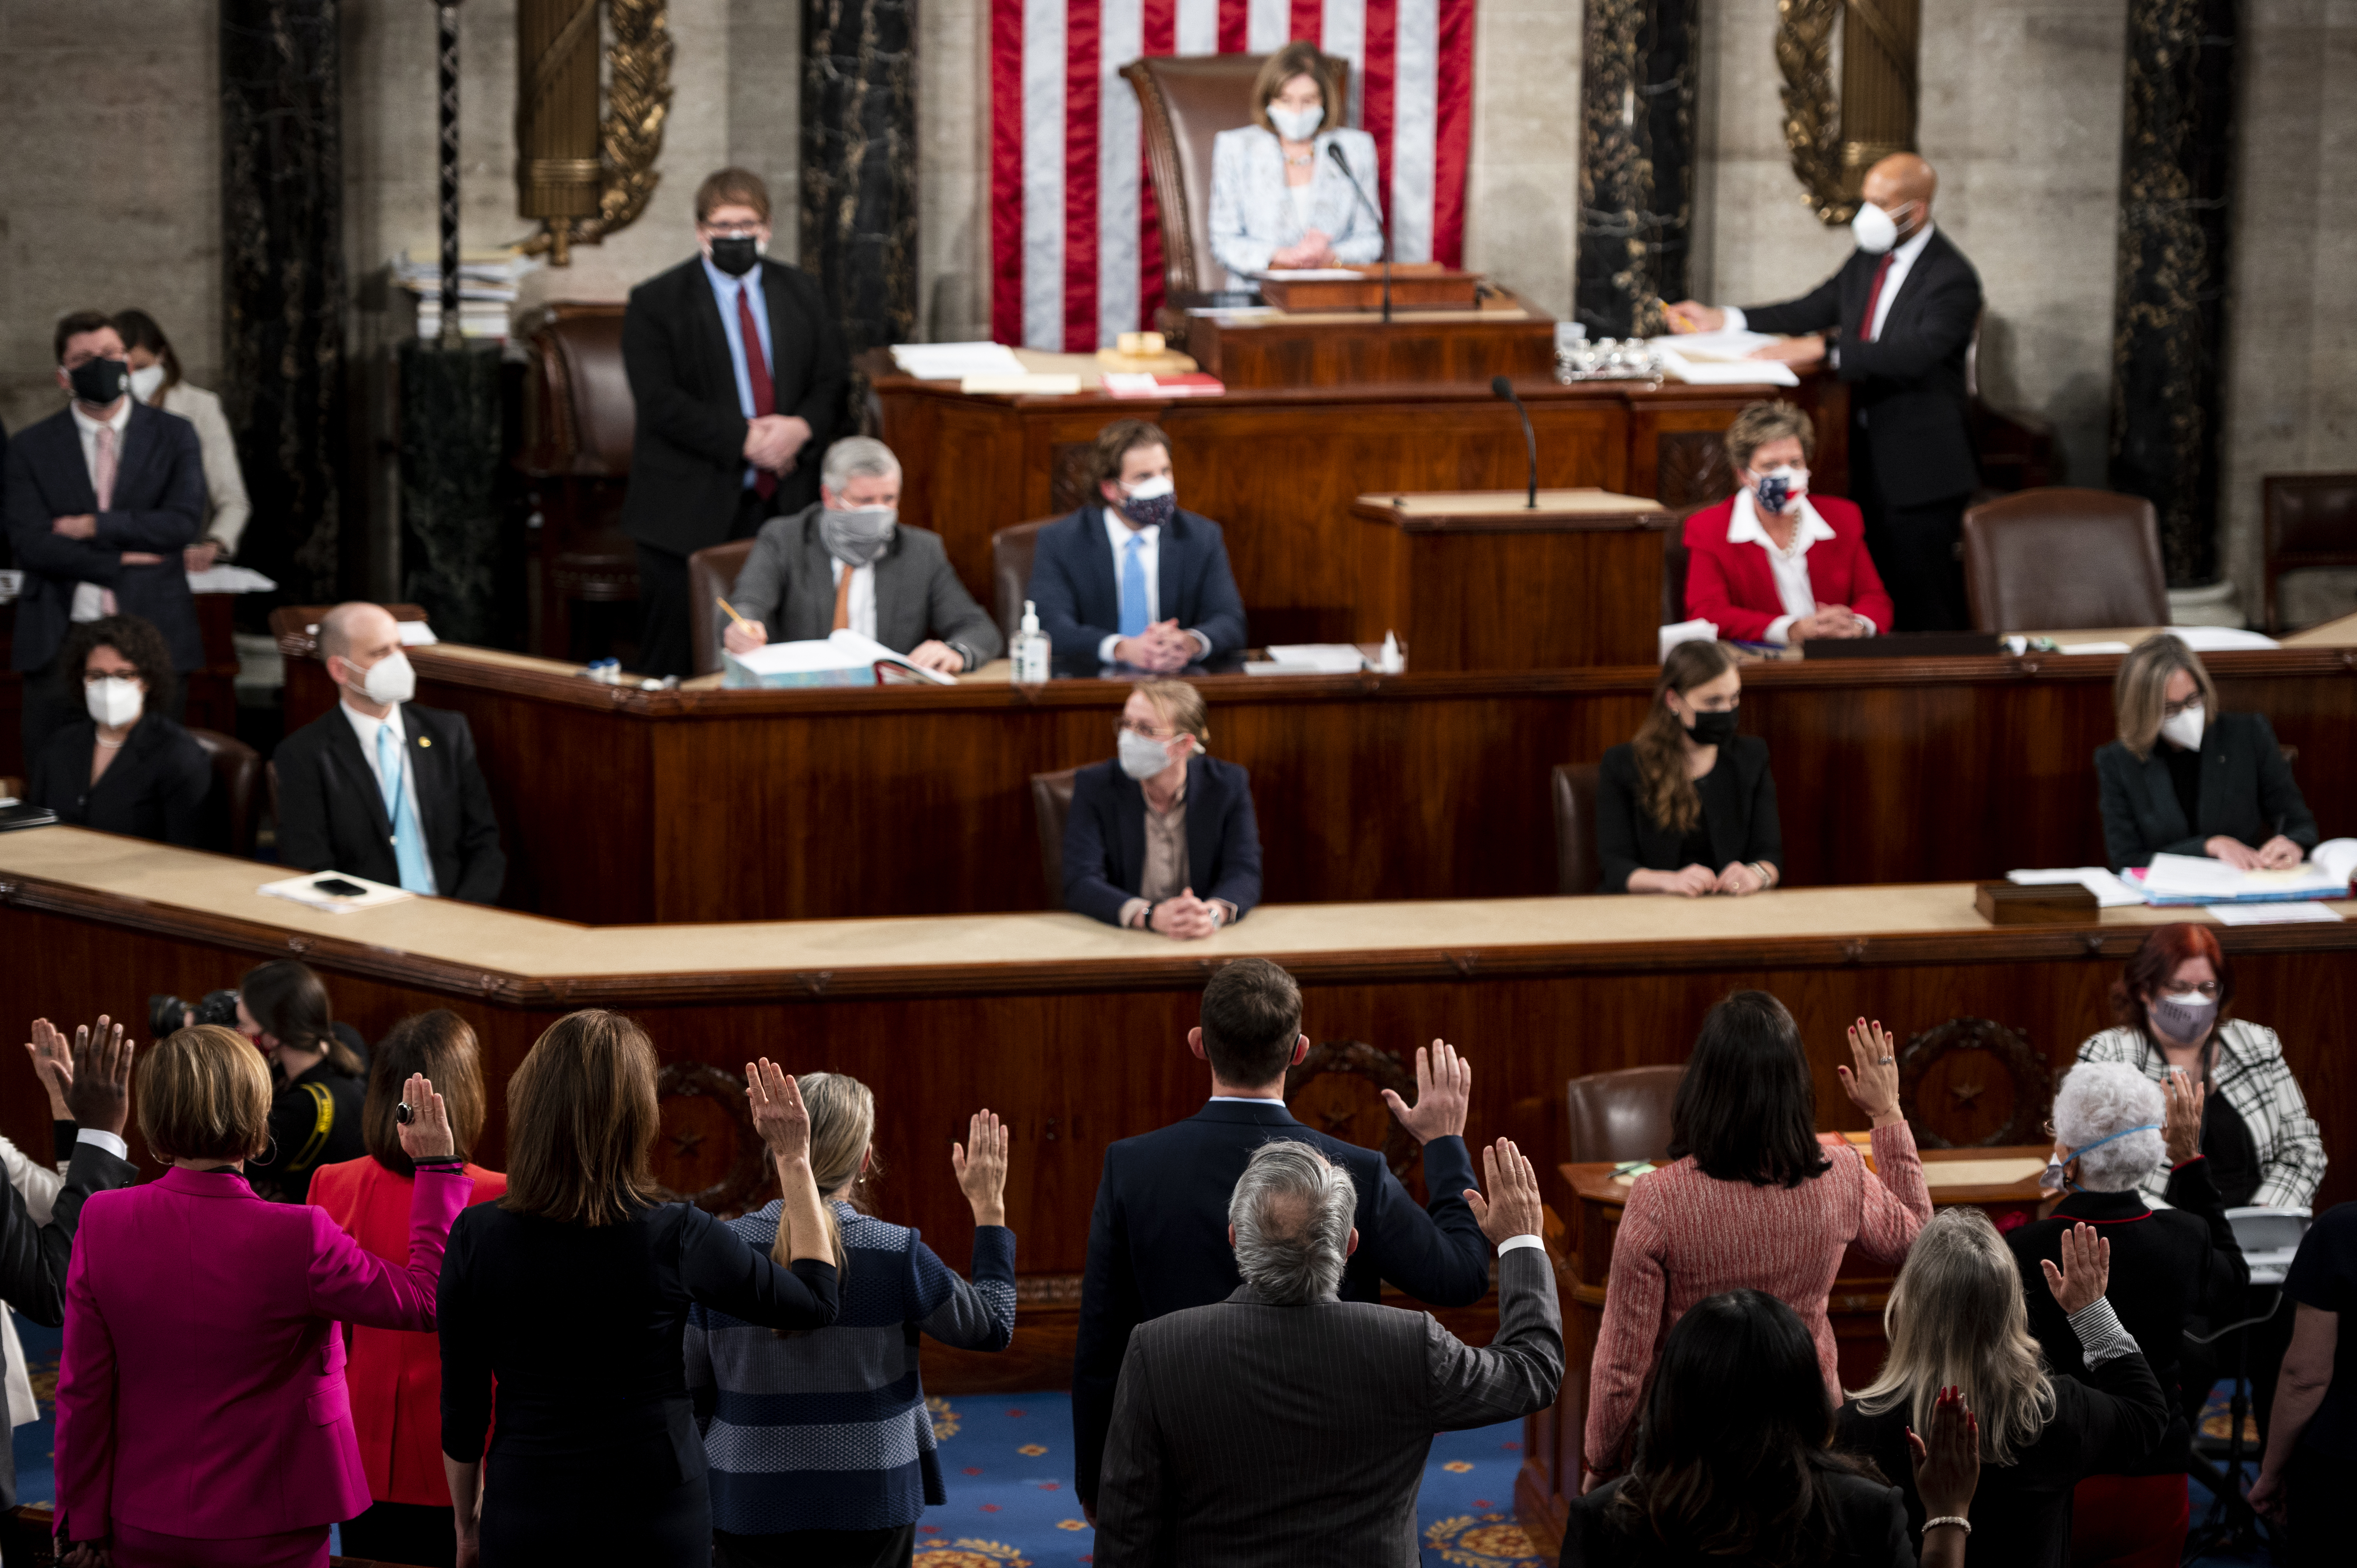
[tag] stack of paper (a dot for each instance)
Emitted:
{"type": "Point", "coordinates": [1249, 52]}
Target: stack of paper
{"type": "Point", "coordinates": [488, 282]}
{"type": "Point", "coordinates": [2197, 879]}
{"type": "Point", "coordinates": [323, 890]}
{"type": "Point", "coordinates": [955, 361]}
{"type": "Point", "coordinates": [845, 659]}
{"type": "Point", "coordinates": [1126, 383]}
{"type": "Point", "coordinates": [1720, 346]}
{"type": "Point", "coordinates": [1316, 658]}
{"type": "Point", "coordinates": [2199, 639]}
{"type": "Point", "coordinates": [2110, 892]}
{"type": "Point", "coordinates": [228, 579]}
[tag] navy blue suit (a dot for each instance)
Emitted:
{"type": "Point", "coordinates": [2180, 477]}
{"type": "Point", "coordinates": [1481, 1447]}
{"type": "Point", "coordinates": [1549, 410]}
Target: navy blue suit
{"type": "Point", "coordinates": [1104, 838]}
{"type": "Point", "coordinates": [1158, 1240]}
{"type": "Point", "coordinates": [1079, 597]}
{"type": "Point", "coordinates": [160, 508]}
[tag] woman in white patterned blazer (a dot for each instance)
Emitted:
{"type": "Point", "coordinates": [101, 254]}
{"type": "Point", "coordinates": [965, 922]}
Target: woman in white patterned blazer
{"type": "Point", "coordinates": [1277, 197]}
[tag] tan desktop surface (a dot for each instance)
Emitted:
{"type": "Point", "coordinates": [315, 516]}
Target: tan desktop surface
{"type": "Point", "coordinates": [1484, 503]}
{"type": "Point", "coordinates": [529, 946]}
{"type": "Point", "coordinates": [2341, 633]}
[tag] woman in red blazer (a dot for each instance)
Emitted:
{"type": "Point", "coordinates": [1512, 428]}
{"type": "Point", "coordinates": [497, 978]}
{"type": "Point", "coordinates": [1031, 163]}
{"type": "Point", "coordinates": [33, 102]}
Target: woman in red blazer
{"type": "Point", "coordinates": [1771, 563]}
{"type": "Point", "coordinates": [396, 1375]}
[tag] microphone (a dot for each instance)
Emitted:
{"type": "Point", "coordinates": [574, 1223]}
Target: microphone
{"type": "Point", "coordinates": [1334, 150]}
{"type": "Point", "coordinates": [1501, 387]}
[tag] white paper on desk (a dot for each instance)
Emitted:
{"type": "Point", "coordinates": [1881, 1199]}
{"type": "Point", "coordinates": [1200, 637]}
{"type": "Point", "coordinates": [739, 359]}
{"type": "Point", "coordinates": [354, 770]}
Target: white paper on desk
{"type": "Point", "coordinates": [2221, 639]}
{"type": "Point", "coordinates": [1313, 274]}
{"type": "Point", "coordinates": [955, 361]}
{"type": "Point", "coordinates": [2110, 892]}
{"type": "Point", "coordinates": [1325, 658]}
{"type": "Point", "coordinates": [415, 634]}
{"type": "Point", "coordinates": [844, 652]}
{"type": "Point", "coordinates": [1724, 373]}
{"type": "Point", "coordinates": [2271, 914]}
{"type": "Point", "coordinates": [304, 890]}
{"type": "Point", "coordinates": [1686, 631]}
{"type": "Point", "coordinates": [1724, 344]}
{"type": "Point", "coordinates": [228, 579]}
{"type": "Point", "coordinates": [2198, 876]}
{"type": "Point", "coordinates": [2336, 857]}
{"type": "Point", "coordinates": [2095, 647]}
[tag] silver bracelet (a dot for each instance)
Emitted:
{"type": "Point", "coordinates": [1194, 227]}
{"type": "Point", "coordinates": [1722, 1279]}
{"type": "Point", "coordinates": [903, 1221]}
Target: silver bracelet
{"type": "Point", "coordinates": [1955, 1518]}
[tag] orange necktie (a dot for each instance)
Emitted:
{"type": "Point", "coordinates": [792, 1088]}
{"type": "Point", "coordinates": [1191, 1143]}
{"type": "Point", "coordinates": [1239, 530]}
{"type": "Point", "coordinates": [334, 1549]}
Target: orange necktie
{"type": "Point", "coordinates": [102, 482]}
{"type": "Point", "coordinates": [843, 601]}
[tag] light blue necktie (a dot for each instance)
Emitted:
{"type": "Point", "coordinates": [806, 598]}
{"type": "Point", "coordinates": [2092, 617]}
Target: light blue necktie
{"type": "Point", "coordinates": [408, 842]}
{"type": "Point", "coordinates": [1133, 586]}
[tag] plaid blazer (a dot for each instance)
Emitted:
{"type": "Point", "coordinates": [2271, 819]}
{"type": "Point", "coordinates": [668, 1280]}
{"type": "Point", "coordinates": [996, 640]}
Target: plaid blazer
{"type": "Point", "coordinates": [2249, 1073]}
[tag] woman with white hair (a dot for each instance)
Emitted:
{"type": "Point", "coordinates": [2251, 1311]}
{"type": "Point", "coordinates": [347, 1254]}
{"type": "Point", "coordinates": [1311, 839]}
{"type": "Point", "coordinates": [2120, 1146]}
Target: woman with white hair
{"type": "Point", "coordinates": [1957, 1320]}
{"type": "Point", "coordinates": [2172, 1268]}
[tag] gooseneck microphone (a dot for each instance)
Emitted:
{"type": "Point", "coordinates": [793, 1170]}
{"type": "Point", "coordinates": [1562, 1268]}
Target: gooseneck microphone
{"type": "Point", "coordinates": [1501, 387]}
{"type": "Point", "coordinates": [1334, 150]}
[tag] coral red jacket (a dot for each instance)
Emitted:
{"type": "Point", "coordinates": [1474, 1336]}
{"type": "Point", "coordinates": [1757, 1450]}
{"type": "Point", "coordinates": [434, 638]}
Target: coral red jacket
{"type": "Point", "coordinates": [395, 1376]}
{"type": "Point", "coordinates": [1732, 587]}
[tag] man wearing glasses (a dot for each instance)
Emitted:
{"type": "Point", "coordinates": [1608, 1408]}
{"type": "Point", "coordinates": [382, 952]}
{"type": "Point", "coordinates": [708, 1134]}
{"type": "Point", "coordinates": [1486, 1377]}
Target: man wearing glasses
{"type": "Point", "coordinates": [1162, 838]}
{"type": "Point", "coordinates": [738, 372]}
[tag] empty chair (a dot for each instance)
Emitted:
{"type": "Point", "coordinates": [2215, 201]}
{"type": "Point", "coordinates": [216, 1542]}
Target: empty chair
{"type": "Point", "coordinates": [1576, 868]}
{"type": "Point", "coordinates": [1011, 550]}
{"type": "Point", "coordinates": [2055, 560]}
{"type": "Point", "coordinates": [1621, 1115]}
{"type": "Point", "coordinates": [235, 806]}
{"type": "Point", "coordinates": [711, 573]}
{"type": "Point", "coordinates": [2311, 519]}
{"type": "Point", "coordinates": [1052, 804]}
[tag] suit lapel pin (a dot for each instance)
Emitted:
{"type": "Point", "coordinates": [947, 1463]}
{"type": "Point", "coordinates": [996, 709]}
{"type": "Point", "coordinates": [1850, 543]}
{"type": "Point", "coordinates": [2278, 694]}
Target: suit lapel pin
{"type": "Point", "coordinates": [425, 740]}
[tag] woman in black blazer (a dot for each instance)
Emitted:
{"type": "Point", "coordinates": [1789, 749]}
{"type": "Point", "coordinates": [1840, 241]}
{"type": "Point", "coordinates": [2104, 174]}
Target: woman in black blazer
{"type": "Point", "coordinates": [1689, 806]}
{"type": "Point", "coordinates": [2184, 779]}
{"type": "Point", "coordinates": [127, 768]}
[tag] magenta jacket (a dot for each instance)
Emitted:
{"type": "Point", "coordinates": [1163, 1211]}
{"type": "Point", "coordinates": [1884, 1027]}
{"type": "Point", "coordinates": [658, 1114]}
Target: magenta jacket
{"type": "Point", "coordinates": [201, 1391]}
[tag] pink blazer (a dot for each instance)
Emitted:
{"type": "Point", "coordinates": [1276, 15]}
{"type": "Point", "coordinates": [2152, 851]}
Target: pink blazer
{"type": "Point", "coordinates": [201, 1391]}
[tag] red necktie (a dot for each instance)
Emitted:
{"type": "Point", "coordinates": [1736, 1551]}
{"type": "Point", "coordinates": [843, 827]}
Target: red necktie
{"type": "Point", "coordinates": [757, 370]}
{"type": "Point", "coordinates": [1873, 297]}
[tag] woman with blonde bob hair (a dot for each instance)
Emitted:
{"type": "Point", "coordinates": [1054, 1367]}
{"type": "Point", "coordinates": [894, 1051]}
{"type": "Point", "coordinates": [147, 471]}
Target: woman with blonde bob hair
{"type": "Point", "coordinates": [2184, 779]}
{"type": "Point", "coordinates": [203, 1416]}
{"type": "Point", "coordinates": [763, 1399]}
{"type": "Point", "coordinates": [1957, 1320]}
{"type": "Point", "coordinates": [573, 1292]}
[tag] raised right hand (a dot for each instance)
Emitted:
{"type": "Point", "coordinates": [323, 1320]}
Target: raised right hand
{"type": "Point", "coordinates": [427, 1134]}
{"type": "Point", "coordinates": [53, 1065]}
{"type": "Point", "coordinates": [1693, 316]}
{"type": "Point", "coordinates": [1873, 1084]}
{"type": "Point", "coordinates": [981, 1166]}
{"type": "Point", "coordinates": [1513, 1207]}
{"type": "Point", "coordinates": [744, 636]}
{"type": "Point", "coordinates": [779, 1115]}
{"type": "Point", "coordinates": [1444, 1088]}
{"type": "Point", "coordinates": [101, 1095]}
{"type": "Point", "coordinates": [2086, 1270]}
{"type": "Point", "coordinates": [1947, 1467]}
{"type": "Point", "coordinates": [2182, 1127]}
{"type": "Point", "coordinates": [2233, 852]}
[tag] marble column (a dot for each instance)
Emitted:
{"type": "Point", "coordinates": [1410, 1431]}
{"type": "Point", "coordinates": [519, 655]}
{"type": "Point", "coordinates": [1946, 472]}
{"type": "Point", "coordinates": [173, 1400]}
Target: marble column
{"type": "Point", "coordinates": [1637, 162]}
{"type": "Point", "coordinates": [2167, 320]}
{"type": "Point", "coordinates": [283, 283]}
{"type": "Point", "coordinates": [451, 540]}
{"type": "Point", "coordinates": [859, 166]}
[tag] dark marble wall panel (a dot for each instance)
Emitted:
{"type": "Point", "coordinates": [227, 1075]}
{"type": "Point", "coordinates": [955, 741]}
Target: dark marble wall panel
{"type": "Point", "coordinates": [1637, 162]}
{"type": "Point", "coordinates": [450, 444]}
{"type": "Point", "coordinates": [859, 166]}
{"type": "Point", "coordinates": [283, 277]}
{"type": "Point", "coordinates": [2167, 331]}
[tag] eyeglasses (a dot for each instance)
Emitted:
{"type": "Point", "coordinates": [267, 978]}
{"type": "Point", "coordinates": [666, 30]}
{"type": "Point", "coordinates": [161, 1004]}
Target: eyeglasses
{"type": "Point", "coordinates": [734, 232]}
{"type": "Point", "coordinates": [2170, 710]}
{"type": "Point", "coordinates": [92, 677]}
{"type": "Point", "coordinates": [2207, 990]}
{"type": "Point", "coordinates": [1138, 727]}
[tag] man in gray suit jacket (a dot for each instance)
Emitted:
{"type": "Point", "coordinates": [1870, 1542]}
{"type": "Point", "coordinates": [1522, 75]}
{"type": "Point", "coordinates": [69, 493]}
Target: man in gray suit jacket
{"type": "Point", "coordinates": [1286, 1427]}
{"type": "Point", "coordinates": [850, 562]}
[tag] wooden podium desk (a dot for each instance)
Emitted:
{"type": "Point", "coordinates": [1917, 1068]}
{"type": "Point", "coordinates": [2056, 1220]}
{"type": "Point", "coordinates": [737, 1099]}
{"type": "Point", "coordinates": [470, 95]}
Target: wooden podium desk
{"type": "Point", "coordinates": [1588, 1199]}
{"type": "Point", "coordinates": [626, 806]}
{"type": "Point", "coordinates": [1280, 467]}
{"type": "Point", "coordinates": [1076, 1032]}
{"type": "Point", "coordinates": [1479, 580]}
{"type": "Point", "coordinates": [1347, 348]}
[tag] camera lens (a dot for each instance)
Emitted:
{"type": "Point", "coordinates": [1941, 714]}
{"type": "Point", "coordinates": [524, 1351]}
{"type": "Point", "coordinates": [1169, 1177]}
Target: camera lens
{"type": "Point", "coordinates": [165, 1014]}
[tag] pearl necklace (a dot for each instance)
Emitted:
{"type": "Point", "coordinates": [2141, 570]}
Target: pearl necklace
{"type": "Point", "coordinates": [1302, 161]}
{"type": "Point", "coordinates": [113, 745]}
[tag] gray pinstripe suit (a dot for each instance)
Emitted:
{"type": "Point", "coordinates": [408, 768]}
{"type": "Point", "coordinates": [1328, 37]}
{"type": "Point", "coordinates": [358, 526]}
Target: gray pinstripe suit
{"type": "Point", "coordinates": [1249, 1433]}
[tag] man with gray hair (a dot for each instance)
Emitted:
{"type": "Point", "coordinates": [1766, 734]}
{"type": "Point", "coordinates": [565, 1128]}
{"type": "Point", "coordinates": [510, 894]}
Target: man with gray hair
{"type": "Point", "coordinates": [848, 561]}
{"type": "Point", "coordinates": [1284, 1426]}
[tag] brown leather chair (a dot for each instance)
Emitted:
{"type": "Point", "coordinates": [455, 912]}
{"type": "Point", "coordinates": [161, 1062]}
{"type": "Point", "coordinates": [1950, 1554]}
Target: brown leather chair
{"type": "Point", "coordinates": [235, 806]}
{"type": "Point", "coordinates": [579, 421]}
{"type": "Point", "coordinates": [1622, 1115]}
{"type": "Point", "coordinates": [712, 575]}
{"type": "Point", "coordinates": [1011, 550]}
{"type": "Point", "coordinates": [2311, 519]}
{"type": "Point", "coordinates": [1576, 868]}
{"type": "Point", "coordinates": [1052, 803]}
{"type": "Point", "coordinates": [1183, 102]}
{"type": "Point", "coordinates": [2063, 559]}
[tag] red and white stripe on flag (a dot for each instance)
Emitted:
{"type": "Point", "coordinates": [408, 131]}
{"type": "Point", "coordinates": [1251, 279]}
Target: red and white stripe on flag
{"type": "Point", "coordinates": [1076, 247]}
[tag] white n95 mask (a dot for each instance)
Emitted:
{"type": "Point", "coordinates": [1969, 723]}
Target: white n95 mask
{"type": "Point", "coordinates": [391, 679]}
{"type": "Point", "coordinates": [1297, 125]}
{"type": "Point", "coordinates": [2184, 727]}
{"type": "Point", "coordinates": [1141, 756]}
{"type": "Point", "coordinates": [1874, 230]}
{"type": "Point", "coordinates": [112, 701]}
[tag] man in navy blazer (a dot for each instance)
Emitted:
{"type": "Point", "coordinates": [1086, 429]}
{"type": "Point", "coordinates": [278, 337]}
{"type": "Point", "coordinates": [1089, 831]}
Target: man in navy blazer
{"type": "Point", "coordinates": [1135, 580]}
{"type": "Point", "coordinates": [1161, 819]}
{"type": "Point", "coordinates": [1158, 1240]}
{"type": "Point", "coordinates": [80, 548]}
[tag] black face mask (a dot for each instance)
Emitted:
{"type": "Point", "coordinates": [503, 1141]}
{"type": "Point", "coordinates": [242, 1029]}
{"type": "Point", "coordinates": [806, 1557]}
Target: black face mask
{"type": "Point", "coordinates": [1713, 729]}
{"type": "Point", "coordinates": [736, 254]}
{"type": "Point", "coordinates": [99, 382]}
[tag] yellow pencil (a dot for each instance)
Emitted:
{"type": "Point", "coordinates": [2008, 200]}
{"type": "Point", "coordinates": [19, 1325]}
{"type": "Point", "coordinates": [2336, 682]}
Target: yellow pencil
{"type": "Point", "coordinates": [725, 605]}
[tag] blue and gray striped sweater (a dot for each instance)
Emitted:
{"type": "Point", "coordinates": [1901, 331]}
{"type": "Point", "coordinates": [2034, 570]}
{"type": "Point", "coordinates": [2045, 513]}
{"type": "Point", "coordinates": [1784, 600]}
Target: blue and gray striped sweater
{"type": "Point", "coordinates": [828, 1430]}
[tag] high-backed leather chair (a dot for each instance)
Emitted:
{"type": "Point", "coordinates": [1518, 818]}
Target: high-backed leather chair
{"type": "Point", "coordinates": [2311, 519]}
{"type": "Point", "coordinates": [1622, 1115]}
{"type": "Point", "coordinates": [1183, 102]}
{"type": "Point", "coordinates": [1011, 550]}
{"type": "Point", "coordinates": [1052, 803]}
{"type": "Point", "coordinates": [1576, 868]}
{"type": "Point", "coordinates": [2063, 559]}
{"type": "Point", "coordinates": [1673, 572]}
{"type": "Point", "coordinates": [579, 421]}
{"type": "Point", "coordinates": [232, 809]}
{"type": "Point", "coordinates": [712, 575]}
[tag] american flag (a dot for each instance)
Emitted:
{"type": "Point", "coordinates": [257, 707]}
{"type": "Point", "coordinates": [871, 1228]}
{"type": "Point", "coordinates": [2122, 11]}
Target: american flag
{"type": "Point", "coordinates": [1076, 250]}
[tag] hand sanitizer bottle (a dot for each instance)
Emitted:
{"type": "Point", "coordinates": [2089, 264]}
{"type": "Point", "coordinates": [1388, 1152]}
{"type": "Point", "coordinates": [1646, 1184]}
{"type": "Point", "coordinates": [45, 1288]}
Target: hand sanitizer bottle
{"type": "Point", "coordinates": [1389, 662]}
{"type": "Point", "coordinates": [1031, 649]}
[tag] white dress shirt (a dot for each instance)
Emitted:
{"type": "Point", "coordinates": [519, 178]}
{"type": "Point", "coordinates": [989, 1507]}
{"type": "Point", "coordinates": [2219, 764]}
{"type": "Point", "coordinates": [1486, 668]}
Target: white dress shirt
{"type": "Point", "coordinates": [87, 602]}
{"type": "Point", "coordinates": [1790, 571]}
{"type": "Point", "coordinates": [1902, 261]}
{"type": "Point", "coordinates": [365, 728]}
{"type": "Point", "coordinates": [862, 607]}
{"type": "Point", "coordinates": [1118, 533]}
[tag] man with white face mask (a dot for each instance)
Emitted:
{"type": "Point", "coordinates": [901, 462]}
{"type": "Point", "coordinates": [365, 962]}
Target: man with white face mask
{"type": "Point", "coordinates": [381, 788]}
{"type": "Point", "coordinates": [1896, 323]}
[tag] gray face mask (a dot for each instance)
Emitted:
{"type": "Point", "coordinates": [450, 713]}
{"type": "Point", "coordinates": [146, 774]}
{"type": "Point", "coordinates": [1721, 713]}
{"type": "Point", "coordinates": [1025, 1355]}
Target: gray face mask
{"type": "Point", "coordinates": [2184, 1016]}
{"type": "Point", "coordinates": [856, 537]}
{"type": "Point", "coordinates": [1142, 758]}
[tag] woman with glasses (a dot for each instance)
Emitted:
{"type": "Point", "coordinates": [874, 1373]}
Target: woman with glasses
{"type": "Point", "coordinates": [2184, 779]}
{"type": "Point", "coordinates": [1689, 807]}
{"type": "Point", "coordinates": [1162, 838]}
{"type": "Point", "coordinates": [128, 767]}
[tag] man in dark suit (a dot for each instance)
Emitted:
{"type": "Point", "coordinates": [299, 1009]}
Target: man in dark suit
{"type": "Point", "coordinates": [1284, 1425]}
{"type": "Point", "coordinates": [1896, 323]}
{"type": "Point", "coordinates": [848, 561]}
{"type": "Point", "coordinates": [737, 370]}
{"type": "Point", "coordinates": [1157, 1242]}
{"type": "Point", "coordinates": [381, 788]}
{"type": "Point", "coordinates": [1160, 819]}
{"type": "Point", "coordinates": [1132, 579]}
{"type": "Point", "coordinates": [100, 498]}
